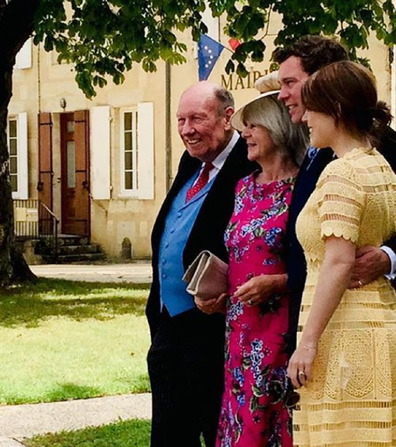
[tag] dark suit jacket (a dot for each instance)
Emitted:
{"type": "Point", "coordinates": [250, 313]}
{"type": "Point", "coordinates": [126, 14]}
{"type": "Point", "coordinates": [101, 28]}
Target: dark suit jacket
{"type": "Point", "coordinates": [305, 184]}
{"type": "Point", "coordinates": [213, 217]}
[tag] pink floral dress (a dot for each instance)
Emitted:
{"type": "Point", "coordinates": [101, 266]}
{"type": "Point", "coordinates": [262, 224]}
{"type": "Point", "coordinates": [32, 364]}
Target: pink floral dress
{"type": "Point", "coordinates": [253, 413]}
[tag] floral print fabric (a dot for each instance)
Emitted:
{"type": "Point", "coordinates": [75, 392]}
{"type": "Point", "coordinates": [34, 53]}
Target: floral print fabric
{"type": "Point", "coordinates": [253, 413]}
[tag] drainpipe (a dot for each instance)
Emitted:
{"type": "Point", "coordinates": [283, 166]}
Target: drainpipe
{"type": "Point", "coordinates": [38, 78]}
{"type": "Point", "coordinates": [168, 127]}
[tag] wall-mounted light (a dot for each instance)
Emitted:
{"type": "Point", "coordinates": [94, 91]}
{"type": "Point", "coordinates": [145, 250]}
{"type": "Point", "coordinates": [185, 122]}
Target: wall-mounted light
{"type": "Point", "coordinates": [62, 103]}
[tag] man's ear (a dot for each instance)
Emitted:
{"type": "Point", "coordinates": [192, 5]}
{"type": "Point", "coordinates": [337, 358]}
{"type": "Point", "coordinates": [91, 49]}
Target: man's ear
{"type": "Point", "coordinates": [229, 111]}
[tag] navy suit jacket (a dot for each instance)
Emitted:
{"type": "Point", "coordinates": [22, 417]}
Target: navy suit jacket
{"type": "Point", "coordinates": [210, 224]}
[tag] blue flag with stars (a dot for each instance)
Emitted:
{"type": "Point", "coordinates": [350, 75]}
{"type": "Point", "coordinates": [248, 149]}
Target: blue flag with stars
{"type": "Point", "coordinates": [208, 52]}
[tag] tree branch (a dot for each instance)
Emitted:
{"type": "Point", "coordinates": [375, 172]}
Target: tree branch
{"type": "Point", "coordinates": [16, 25]}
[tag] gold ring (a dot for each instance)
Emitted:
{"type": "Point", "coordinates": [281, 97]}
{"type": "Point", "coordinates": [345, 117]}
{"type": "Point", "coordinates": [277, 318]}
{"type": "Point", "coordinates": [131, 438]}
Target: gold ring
{"type": "Point", "coordinates": [301, 373]}
{"type": "Point", "coordinates": [360, 283]}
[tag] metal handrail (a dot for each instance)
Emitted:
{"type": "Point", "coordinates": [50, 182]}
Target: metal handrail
{"type": "Point", "coordinates": [36, 222]}
{"type": "Point", "coordinates": [50, 236]}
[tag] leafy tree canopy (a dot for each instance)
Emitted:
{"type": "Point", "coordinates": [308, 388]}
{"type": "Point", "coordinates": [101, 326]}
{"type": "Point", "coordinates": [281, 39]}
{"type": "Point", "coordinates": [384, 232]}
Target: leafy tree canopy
{"type": "Point", "coordinates": [105, 37]}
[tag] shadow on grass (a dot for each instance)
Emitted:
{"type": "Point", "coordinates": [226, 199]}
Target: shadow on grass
{"type": "Point", "coordinates": [63, 392]}
{"type": "Point", "coordinates": [30, 304]}
{"type": "Point", "coordinates": [136, 384]}
{"type": "Point", "coordinates": [71, 391]}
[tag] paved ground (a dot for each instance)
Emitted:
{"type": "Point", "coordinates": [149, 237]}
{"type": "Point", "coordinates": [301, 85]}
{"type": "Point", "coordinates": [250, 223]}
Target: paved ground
{"type": "Point", "coordinates": [18, 422]}
{"type": "Point", "coordinates": [24, 421]}
{"type": "Point", "coordinates": [139, 272]}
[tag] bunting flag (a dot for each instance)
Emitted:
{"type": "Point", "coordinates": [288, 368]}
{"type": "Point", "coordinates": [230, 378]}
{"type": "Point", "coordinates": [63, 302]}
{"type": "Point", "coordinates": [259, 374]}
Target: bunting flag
{"type": "Point", "coordinates": [209, 51]}
{"type": "Point", "coordinates": [233, 43]}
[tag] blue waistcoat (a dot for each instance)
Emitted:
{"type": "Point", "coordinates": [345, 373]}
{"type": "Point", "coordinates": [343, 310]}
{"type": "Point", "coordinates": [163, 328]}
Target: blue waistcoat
{"type": "Point", "coordinates": [178, 225]}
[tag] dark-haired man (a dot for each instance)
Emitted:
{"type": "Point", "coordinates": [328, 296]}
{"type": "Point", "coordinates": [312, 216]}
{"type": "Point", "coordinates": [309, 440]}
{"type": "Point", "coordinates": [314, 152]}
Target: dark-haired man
{"type": "Point", "coordinates": [296, 63]}
{"type": "Point", "coordinates": [186, 357]}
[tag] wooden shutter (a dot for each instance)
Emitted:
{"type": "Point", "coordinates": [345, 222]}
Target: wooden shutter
{"type": "Point", "coordinates": [46, 173]}
{"type": "Point", "coordinates": [82, 200]}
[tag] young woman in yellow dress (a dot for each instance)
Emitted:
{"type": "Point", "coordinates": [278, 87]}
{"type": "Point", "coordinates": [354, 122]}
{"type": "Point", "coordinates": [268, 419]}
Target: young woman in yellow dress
{"type": "Point", "coordinates": [345, 362]}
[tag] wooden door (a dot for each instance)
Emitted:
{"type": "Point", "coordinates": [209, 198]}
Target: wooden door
{"type": "Point", "coordinates": [75, 173]}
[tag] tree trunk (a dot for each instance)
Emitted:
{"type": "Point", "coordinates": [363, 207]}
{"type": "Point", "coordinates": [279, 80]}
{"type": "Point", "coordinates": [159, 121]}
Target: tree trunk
{"type": "Point", "coordinates": [16, 25]}
{"type": "Point", "coordinates": [12, 263]}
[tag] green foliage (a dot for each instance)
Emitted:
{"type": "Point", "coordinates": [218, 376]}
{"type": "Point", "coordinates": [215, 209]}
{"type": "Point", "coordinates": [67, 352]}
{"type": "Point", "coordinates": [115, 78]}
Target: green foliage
{"type": "Point", "coordinates": [105, 37]}
{"type": "Point", "coordinates": [133, 433]}
{"type": "Point", "coordinates": [102, 37]}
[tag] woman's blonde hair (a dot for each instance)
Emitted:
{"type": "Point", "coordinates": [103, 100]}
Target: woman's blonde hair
{"type": "Point", "coordinates": [270, 113]}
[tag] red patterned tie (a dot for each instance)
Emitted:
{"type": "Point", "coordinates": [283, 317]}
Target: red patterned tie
{"type": "Point", "coordinates": [200, 183]}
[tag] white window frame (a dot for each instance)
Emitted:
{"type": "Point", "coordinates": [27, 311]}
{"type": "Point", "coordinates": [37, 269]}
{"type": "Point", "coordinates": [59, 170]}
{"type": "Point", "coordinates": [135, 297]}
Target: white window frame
{"type": "Point", "coordinates": [22, 191]}
{"type": "Point", "coordinates": [142, 153]}
{"type": "Point", "coordinates": [134, 191]}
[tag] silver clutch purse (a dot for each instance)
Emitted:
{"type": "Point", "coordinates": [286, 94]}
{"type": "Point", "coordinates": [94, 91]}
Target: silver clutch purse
{"type": "Point", "coordinates": [206, 276]}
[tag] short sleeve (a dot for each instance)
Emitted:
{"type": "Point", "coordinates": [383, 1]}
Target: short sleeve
{"type": "Point", "coordinates": [341, 201]}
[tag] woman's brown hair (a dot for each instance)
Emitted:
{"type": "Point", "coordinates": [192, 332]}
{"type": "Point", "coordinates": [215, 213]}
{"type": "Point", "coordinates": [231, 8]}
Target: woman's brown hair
{"type": "Point", "coordinates": [347, 92]}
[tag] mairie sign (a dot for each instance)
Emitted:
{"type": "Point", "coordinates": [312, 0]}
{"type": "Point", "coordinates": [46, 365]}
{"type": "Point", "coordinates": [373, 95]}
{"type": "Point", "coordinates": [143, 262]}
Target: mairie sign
{"type": "Point", "coordinates": [236, 82]}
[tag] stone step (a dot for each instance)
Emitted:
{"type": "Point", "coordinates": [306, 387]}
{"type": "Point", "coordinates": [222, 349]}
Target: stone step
{"type": "Point", "coordinates": [72, 239]}
{"type": "Point", "coordinates": [70, 259]}
{"type": "Point", "coordinates": [68, 249]}
{"type": "Point", "coordinates": [78, 249]}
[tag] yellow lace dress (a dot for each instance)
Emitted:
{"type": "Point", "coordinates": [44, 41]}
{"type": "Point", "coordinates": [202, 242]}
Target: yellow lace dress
{"type": "Point", "coordinates": [351, 399]}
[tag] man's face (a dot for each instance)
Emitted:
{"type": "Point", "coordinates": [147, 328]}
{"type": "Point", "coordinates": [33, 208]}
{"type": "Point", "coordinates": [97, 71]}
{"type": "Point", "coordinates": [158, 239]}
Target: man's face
{"type": "Point", "coordinates": [203, 125]}
{"type": "Point", "coordinates": [292, 77]}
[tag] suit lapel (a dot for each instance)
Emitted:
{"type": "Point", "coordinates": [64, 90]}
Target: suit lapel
{"type": "Point", "coordinates": [188, 165]}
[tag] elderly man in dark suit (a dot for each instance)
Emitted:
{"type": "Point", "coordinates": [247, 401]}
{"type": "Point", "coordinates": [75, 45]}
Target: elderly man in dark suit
{"type": "Point", "coordinates": [185, 359]}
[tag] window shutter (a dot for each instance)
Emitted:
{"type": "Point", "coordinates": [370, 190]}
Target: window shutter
{"type": "Point", "coordinates": [24, 57]}
{"type": "Point", "coordinates": [45, 186]}
{"type": "Point", "coordinates": [146, 150]}
{"type": "Point", "coordinates": [100, 152]}
{"type": "Point", "coordinates": [212, 23]}
{"type": "Point", "coordinates": [23, 174]}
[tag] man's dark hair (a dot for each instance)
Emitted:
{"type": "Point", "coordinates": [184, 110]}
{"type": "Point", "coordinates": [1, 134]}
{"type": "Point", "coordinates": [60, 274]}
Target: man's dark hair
{"type": "Point", "coordinates": [314, 52]}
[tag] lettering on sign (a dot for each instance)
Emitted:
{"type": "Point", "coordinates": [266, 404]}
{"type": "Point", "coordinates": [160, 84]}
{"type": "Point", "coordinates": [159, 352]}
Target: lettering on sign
{"type": "Point", "coordinates": [236, 82]}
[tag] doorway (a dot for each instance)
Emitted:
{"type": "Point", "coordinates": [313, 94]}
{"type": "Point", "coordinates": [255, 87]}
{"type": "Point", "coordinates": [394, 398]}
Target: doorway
{"type": "Point", "coordinates": [75, 199]}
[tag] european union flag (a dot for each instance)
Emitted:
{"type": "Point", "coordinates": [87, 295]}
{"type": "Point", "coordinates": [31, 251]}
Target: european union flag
{"type": "Point", "coordinates": [208, 52]}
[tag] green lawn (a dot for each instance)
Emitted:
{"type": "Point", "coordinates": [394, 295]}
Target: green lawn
{"type": "Point", "coordinates": [69, 340]}
{"type": "Point", "coordinates": [122, 434]}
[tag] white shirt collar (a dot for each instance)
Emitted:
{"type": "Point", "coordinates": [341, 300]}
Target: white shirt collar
{"type": "Point", "coordinates": [219, 161]}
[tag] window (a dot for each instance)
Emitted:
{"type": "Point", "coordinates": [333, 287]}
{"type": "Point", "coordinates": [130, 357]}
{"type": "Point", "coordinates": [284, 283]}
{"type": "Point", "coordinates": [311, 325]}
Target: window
{"type": "Point", "coordinates": [131, 150]}
{"type": "Point", "coordinates": [13, 152]}
{"type": "Point", "coordinates": [137, 151]}
{"type": "Point", "coordinates": [18, 153]}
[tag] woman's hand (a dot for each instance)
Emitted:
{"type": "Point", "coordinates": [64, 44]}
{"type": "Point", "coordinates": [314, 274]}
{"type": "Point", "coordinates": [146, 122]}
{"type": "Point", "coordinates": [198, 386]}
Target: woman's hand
{"type": "Point", "coordinates": [260, 288]}
{"type": "Point", "coordinates": [212, 306]}
{"type": "Point", "coordinates": [300, 365]}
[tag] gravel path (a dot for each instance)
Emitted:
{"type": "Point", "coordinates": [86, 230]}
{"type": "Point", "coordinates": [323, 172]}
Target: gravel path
{"type": "Point", "coordinates": [139, 272]}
